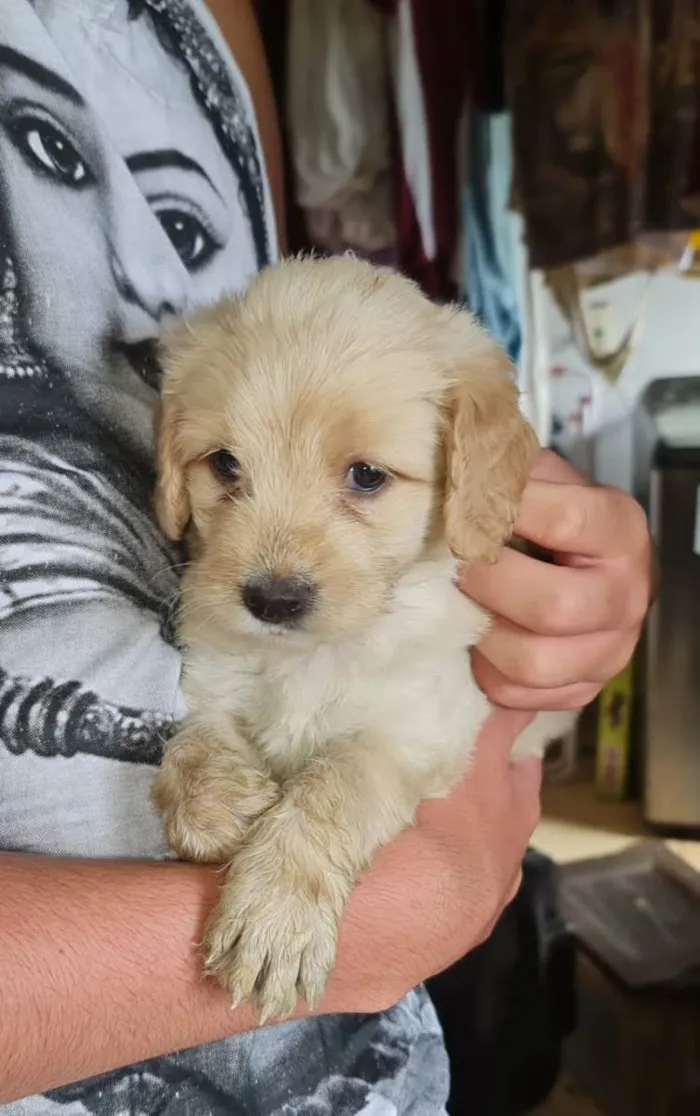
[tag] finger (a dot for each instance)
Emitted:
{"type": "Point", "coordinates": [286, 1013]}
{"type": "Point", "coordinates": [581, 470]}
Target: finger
{"type": "Point", "coordinates": [494, 742]}
{"type": "Point", "coordinates": [526, 786]}
{"type": "Point", "coordinates": [545, 662]}
{"type": "Point", "coordinates": [490, 763]}
{"type": "Point", "coordinates": [553, 468]}
{"type": "Point", "coordinates": [510, 695]}
{"type": "Point", "coordinates": [584, 520]}
{"type": "Point", "coordinates": [549, 600]}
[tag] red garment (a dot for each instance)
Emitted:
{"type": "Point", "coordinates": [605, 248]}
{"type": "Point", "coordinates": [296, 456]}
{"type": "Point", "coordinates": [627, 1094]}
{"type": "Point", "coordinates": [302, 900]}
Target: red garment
{"type": "Point", "coordinates": [428, 212]}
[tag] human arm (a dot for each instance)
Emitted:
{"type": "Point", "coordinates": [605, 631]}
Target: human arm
{"type": "Point", "coordinates": [100, 964]}
{"type": "Point", "coordinates": [237, 23]}
{"type": "Point", "coordinates": [563, 630]}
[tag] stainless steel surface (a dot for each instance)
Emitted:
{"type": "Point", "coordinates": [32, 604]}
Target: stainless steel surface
{"type": "Point", "coordinates": [672, 722]}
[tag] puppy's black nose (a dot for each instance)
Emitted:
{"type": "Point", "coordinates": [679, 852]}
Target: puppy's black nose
{"type": "Point", "coordinates": [278, 600]}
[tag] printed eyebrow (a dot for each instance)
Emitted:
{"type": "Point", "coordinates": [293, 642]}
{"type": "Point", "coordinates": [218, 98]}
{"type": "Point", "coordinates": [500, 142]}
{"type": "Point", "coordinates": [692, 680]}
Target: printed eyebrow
{"type": "Point", "coordinates": [167, 157]}
{"type": "Point", "coordinates": [52, 82]}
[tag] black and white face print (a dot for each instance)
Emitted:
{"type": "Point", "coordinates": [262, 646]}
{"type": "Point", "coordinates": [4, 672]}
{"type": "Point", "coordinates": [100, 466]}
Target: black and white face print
{"type": "Point", "coordinates": [131, 187]}
{"type": "Point", "coordinates": [121, 201]}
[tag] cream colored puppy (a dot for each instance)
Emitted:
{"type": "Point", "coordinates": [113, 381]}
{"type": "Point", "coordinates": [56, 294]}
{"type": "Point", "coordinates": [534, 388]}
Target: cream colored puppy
{"type": "Point", "coordinates": [337, 442]}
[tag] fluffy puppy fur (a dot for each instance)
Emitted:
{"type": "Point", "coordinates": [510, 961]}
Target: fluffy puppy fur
{"type": "Point", "coordinates": [335, 434]}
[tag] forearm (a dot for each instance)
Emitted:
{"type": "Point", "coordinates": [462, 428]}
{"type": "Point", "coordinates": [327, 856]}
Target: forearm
{"type": "Point", "coordinates": [238, 25]}
{"type": "Point", "coordinates": [100, 967]}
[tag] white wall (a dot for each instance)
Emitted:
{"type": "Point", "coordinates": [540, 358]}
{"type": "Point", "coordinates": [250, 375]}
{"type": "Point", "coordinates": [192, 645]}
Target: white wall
{"type": "Point", "coordinates": [667, 307]}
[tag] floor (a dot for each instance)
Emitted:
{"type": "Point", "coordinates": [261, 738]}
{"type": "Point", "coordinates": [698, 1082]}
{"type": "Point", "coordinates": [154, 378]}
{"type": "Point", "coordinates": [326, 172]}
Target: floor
{"type": "Point", "coordinates": [576, 824]}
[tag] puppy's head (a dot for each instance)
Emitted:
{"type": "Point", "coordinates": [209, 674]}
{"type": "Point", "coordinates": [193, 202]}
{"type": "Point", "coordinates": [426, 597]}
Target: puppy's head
{"type": "Point", "coordinates": [323, 433]}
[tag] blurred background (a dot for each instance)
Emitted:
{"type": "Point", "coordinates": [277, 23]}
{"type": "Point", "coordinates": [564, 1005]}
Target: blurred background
{"type": "Point", "coordinates": [539, 160]}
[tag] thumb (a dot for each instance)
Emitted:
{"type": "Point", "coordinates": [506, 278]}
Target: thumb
{"type": "Point", "coordinates": [495, 741]}
{"type": "Point", "coordinates": [526, 786]}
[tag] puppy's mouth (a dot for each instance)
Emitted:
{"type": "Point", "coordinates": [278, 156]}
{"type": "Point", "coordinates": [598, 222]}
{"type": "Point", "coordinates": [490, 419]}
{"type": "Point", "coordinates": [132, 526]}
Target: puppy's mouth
{"type": "Point", "coordinates": [281, 630]}
{"type": "Point", "coordinates": [282, 634]}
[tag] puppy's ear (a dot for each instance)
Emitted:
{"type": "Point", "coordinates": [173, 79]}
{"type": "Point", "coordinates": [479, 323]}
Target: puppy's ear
{"type": "Point", "coordinates": [490, 447]}
{"type": "Point", "coordinates": [172, 499]}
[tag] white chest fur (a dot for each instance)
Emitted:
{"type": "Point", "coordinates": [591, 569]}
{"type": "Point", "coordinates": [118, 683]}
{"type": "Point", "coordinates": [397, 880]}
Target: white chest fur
{"type": "Point", "coordinates": [406, 681]}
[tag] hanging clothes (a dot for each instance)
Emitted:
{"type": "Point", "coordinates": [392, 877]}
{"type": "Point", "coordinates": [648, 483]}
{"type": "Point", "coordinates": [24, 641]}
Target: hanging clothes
{"type": "Point", "coordinates": [431, 48]}
{"type": "Point", "coordinates": [338, 117]}
{"type": "Point", "coordinates": [488, 229]}
{"type": "Point", "coordinates": [605, 96]}
{"type": "Point", "coordinates": [580, 119]}
{"type": "Point", "coordinates": [674, 113]}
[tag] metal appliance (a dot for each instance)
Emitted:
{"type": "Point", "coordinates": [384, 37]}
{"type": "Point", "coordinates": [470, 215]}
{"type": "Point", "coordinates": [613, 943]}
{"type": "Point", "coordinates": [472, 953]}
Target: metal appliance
{"type": "Point", "coordinates": [669, 435]}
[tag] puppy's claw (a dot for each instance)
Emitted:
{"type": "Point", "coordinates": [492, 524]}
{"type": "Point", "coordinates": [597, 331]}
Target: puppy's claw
{"type": "Point", "coordinates": [269, 948]}
{"type": "Point", "coordinates": [237, 998]}
{"type": "Point", "coordinates": [311, 991]}
{"type": "Point", "coordinates": [315, 970]}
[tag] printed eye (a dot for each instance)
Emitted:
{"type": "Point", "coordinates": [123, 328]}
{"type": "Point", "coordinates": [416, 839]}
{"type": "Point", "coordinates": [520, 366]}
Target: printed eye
{"type": "Point", "coordinates": [225, 466]}
{"type": "Point", "coordinates": [362, 477]}
{"type": "Point", "coordinates": [189, 237]}
{"type": "Point", "coordinates": [50, 152]}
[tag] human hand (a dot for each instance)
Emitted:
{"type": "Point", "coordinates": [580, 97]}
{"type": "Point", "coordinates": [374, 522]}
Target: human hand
{"type": "Point", "coordinates": [562, 631]}
{"type": "Point", "coordinates": [437, 891]}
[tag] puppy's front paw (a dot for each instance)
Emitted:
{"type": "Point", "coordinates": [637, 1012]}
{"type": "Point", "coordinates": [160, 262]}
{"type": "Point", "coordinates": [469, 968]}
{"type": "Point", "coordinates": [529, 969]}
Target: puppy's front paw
{"type": "Point", "coordinates": [272, 938]}
{"type": "Point", "coordinates": [209, 798]}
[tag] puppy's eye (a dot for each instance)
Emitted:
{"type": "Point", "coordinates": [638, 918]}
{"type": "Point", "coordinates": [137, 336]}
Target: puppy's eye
{"type": "Point", "coordinates": [224, 465]}
{"type": "Point", "coordinates": [362, 477]}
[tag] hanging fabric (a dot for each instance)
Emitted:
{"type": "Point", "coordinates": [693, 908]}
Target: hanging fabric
{"type": "Point", "coordinates": [490, 267]}
{"type": "Point", "coordinates": [431, 50]}
{"type": "Point", "coordinates": [488, 230]}
{"type": "Point", "coordinates": [338, 117]}
{"type": "Point", "coordinates": [605, 96]}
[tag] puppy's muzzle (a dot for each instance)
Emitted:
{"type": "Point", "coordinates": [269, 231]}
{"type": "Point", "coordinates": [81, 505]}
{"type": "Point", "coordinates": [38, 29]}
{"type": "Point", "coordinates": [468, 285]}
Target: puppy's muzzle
{"type": "Point", "coordinates": [278, 600]}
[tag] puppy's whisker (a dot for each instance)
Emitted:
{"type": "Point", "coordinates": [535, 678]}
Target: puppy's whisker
{"type": "Point", "coordinates": [168, 568]}
{"type": "Point", "coordinates": [196, 608]}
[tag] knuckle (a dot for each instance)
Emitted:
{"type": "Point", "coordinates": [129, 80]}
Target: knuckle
{"type": "Point", "coordinates": [638, 526]}
{"type": "Point", "coordinates": [569, 525]}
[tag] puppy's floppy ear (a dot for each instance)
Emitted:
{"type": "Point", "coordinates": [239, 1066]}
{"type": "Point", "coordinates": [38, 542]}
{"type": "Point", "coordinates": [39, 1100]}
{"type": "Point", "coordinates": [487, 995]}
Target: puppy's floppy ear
{"type": "Point", "coordinates": [172, 499]}
{"type": "Point", "coordinates": [490, 447]}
